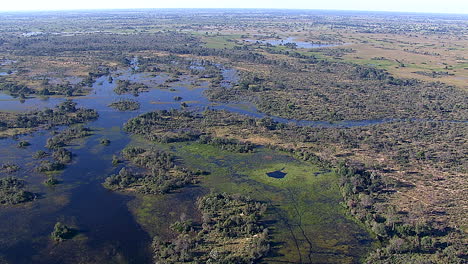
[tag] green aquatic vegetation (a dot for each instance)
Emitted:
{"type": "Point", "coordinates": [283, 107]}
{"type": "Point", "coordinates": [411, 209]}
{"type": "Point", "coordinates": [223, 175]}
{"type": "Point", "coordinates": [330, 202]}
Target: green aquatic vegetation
{"type": "Point", "coordinates": [295, 84]}
{"type": "Point", "coordinates": [48, 166]}
{"type": "Point", "coordinates": [40, 154]}
{"type": "Point", "coordinates": [296, 172]}
{"type": "Point", "coordinates": [304, 205]}
{"type": "Point", "coordinates": [360, 189]}
{"type": "Point", "coordinates": [12, 191]}
{"type": "Point", "coordinates": [23, 144]}
{"type": "Point", "coordinates": [115, 160]}
{"type": "Point", "coordinates": [306, 201]}
{"type": "Point", "coordinates": [105, 142]}
{"type": "Point", "coordinates": [14, 89]}
{"type": "Point", "coordinates": [124, 86]}
{"type": "Point", "coordinates": [67, 135]}
{"type": "Point", "coordinates": [65, 113]}
{"type": "Point", "coordinates": [227, 144]}
{"type": "Point", "coordinates": [125, 105]}
{"type": "Point", "coordinates": [62, 232]}
{"type": "Point", "coordinates": [62, 155]}
{"type": "Point", "coordinates": [51, 181]}
{"type": "Point", "coordinates": [23, 91]}
{"type": "Point", "coordinates": [161, 174]}
{"type": "Point", "coordinates": [9, 168]}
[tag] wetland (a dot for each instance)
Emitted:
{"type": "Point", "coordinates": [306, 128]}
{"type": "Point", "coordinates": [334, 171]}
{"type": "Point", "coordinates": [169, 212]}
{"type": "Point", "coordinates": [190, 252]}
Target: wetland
{"type": "Point", "coordinates": [230, 169]}
{"type": "Point", "coordinates": [163, 141]}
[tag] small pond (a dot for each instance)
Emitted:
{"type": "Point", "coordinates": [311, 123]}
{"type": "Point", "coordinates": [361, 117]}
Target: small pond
{"type": "Point", "coordinates": [299, 44]}
{"type": "Point", "coordinates": [276, 174]}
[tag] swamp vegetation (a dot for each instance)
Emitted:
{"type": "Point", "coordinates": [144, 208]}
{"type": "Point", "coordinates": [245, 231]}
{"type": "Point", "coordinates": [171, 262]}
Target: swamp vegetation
{"type": "Point", "coordinates": [12, 191]}
{"type": "Point", "coordinates": [314, 139]}
{"type": "Point", "coordinates": [230, 233]}
{"type": "Point", "coordinates": [162, 173]}
{"type": "Point", "coordinates": [65, 113]}
{"type": "Point", "coordinates": [125, 105]}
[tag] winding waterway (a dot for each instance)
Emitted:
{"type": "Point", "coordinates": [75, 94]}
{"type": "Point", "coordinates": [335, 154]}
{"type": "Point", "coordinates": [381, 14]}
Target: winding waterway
{"type": "Point", "coordinates": [109, 232]}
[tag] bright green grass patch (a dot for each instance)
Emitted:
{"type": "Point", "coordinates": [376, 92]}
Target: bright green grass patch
{"type": "Point", "coordinates": [460, 66]}
{"type": "Point", "coordinates": [385, 64]}
{"type": "Point", "coordinates": [220, 42]}
{"type": "Point", "coordinates": [295, 172]}
{"type": "Point", "coordinates": [305, 190]}
{"type": "Point", "coordinates": [304, 206]}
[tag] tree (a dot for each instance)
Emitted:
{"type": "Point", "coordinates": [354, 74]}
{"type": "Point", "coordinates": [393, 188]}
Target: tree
{"type": "Point", "coordinates": [62, 232]}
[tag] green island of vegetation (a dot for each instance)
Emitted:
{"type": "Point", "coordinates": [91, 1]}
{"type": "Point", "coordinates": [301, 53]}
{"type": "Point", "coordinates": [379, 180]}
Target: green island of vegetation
{"type": "Point", "coordinates": [62, 232]}
{"type": "Point", "coordinates": [63, 137]}
{"type": "Point", "coordinates": [124, 87]}
{"type": "Point", "coordinates": [165, 126]}
{"type": "Point", "coordinates": [51, 181]}
{"type": "Point", "coordinates": [126, 105]}
{"type": "Point", "coordinates": [9, 167]}
{"type": "Point", "coordinates": [12, 191]}
{"type": "Point", "coordinates": [60, 156]}
{"type": "Point", "coordinates": [162, 173]}
{"type": "Point", "coordinates": [23, 144]}
{"type": "Point", "coordinates": [65, 113]}
{"type": "Point", "coordinates": [105, 142]}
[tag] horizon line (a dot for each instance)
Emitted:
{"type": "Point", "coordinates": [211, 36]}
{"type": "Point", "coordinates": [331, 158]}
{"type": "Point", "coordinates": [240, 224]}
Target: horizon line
{"type": "Point", "coordinates": [223, 8]}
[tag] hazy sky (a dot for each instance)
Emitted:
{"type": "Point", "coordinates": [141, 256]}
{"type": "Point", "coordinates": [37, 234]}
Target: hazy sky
{"type": "Point", "coordinates": [433, 6]}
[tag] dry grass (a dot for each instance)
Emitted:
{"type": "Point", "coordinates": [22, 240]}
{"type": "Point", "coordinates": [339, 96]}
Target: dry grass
{"type": "Point", "coordinates": [417, 53]}
{"type": "Point", "coordinates": [32, 69]}
{"type": "Point", "coordinates": [431, 192]}
{"type": "Point", "coordinates": [15, 132]}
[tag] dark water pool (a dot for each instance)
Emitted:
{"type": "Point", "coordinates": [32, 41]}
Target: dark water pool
{"type": "Point", "coordinates": [276, 174]}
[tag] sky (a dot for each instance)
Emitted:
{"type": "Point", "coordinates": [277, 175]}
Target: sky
{"type": "Point", "coordinates": [425, 6]}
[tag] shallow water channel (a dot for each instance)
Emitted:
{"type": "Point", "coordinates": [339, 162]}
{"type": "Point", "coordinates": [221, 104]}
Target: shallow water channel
{"type": "Point", "coordinates": [115, 228]}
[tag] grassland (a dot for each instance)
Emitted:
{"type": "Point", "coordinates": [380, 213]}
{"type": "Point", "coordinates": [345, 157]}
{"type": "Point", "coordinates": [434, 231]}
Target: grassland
{"type": "Point", "coordinates": [303, 206]}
